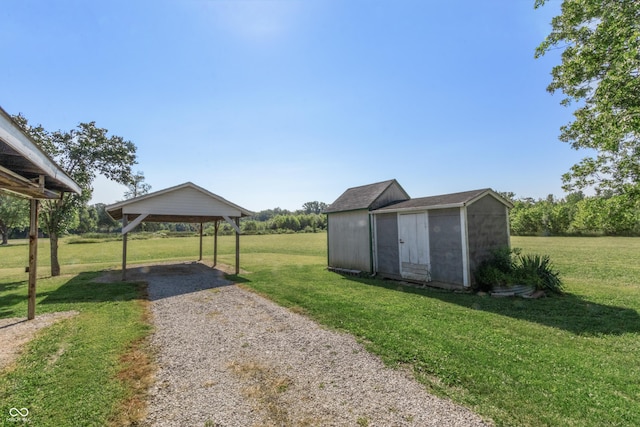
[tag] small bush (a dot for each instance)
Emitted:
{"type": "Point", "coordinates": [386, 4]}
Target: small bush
{"type": "Point", "coordinates": [508, 267]}
{"type": "Point", "coordinates": [495, 271]}
{"type": "Point", "coordinates": [537, 271]}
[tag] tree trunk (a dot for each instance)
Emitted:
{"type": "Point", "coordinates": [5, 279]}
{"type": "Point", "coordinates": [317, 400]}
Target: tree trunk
{"type": "Point", "coordinates": [4, 230]}
{"type": "Point", "coordinates": [55, 264]}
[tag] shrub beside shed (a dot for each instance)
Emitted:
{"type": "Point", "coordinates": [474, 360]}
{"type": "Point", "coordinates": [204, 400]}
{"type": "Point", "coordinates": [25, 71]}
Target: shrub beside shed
{"type": "Point", "coordinates": [439, 239]}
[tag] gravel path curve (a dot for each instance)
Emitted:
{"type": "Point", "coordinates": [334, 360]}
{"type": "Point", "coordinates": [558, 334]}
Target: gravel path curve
{"type": "Point", "coordinates": [228, 357]}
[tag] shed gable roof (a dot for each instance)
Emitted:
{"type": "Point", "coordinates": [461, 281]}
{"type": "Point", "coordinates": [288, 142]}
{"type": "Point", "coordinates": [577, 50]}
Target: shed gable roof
{"type": "Point", "coordinates": [183, 203]}
{"type": "Point", "coordinates": [444, 201]}
{"type": "Point", "coordinates": [363, 197]}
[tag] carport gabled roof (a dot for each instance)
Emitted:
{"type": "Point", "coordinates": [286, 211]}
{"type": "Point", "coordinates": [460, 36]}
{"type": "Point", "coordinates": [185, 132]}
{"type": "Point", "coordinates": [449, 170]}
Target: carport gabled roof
{"type": "Point", "coordinates": [363, 197]}
{"type": "Point", "coordinates": [183, 203]}
{"type": "Point", "coordinates": [25, 169]}
{"type": "Point", "coordinates": [451, 200]}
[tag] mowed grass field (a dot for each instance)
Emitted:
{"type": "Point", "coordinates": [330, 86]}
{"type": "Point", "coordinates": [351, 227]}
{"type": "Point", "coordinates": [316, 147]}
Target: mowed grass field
{"type": "Point", "coordinates": [572, 360]}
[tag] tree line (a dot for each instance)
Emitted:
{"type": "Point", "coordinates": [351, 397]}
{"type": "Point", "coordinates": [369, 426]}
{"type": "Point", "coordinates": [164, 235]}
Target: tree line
{"type": "Point", "coordinates": [576, 214]}
{"type": "Point", "coordinates": [603, 214]}
{"type": "Point", "coordinates": [14, 221]}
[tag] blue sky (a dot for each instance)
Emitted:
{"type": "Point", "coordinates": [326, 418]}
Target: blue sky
{"type": "Point", "coordinates": [276, 103]}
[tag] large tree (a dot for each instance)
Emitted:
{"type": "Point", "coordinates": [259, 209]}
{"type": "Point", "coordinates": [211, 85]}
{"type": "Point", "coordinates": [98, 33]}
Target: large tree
{"type": "Point", "coordinates": [600, 72]}
{"type": "Point", "coordinates": [14, 213]}
{"type": "Point", "coordinates": [83, 153]}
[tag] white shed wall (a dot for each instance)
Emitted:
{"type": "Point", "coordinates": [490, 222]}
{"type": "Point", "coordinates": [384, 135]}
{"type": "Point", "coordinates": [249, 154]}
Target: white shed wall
{"type": "Point", "coordinates": [349, 240]}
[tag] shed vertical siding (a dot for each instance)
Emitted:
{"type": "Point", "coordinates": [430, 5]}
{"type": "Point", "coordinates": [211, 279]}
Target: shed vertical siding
{"type": "Point", "coordinates": [387, 245]}
{"type": "Point", "coordinates": [445, 241]}
{"type": "Point", "coordinates": [488, 229]}
{"type": "Point", "coordinates": [349, 240]}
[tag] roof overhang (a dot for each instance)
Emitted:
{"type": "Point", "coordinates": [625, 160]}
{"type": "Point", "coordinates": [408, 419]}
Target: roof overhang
{"type": "Point", "coordinates": [146, 205]}
{"type": "Point", "coordinates": [25, 169]}
{"type": "Point", "coordinates": [427, 206]}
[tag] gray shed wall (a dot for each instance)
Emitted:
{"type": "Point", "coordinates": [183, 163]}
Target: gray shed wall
{"type": "Point", "coordinates": [487, 227]}
{"type": "Point", "coordinates": [387, 245]}
{"type": "Point", "coordinates": [390, 195]}
{"type": "Point", "coordinates": [349, 240]}
{"type": "Point", "coordinates": [445, 246]}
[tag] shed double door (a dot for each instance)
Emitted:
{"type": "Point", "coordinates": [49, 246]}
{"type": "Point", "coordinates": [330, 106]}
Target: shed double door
{"type": "Point", "coordinates": [413, 239]}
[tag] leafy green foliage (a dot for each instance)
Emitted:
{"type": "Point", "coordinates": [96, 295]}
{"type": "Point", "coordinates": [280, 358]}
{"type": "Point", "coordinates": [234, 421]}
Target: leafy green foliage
{"type": "Point", "coordinates": [508, 267]}
{"type": "Point", "coordinates": [137, 187]}
{"type": "Point", "coordinates": [536, 270]}
{"type": "Point", "coordinates": [14, 213]}
{"type": "Point", "coordinates": [82, 153]}
{"type": "Point", "coordinates": [607, 213]}
{"type": "Point", "coordinates": [496, 270]}
{"type": "Point", "coordinates": [600, 71]}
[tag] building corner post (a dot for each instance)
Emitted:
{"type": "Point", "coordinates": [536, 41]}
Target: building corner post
{"type": "Point", "coordinates": [33, 258]}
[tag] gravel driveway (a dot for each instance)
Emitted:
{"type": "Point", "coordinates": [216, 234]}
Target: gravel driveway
{"type": "Point", "coordinates": [228, 357]}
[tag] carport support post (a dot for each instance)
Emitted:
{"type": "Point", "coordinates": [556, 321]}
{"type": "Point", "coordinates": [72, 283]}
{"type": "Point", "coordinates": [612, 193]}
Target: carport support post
{"type": "Point", "coordinates": [237, 220]}
{"type": "Point", "coordinates": [125, 221]}
{"type": "Point", "coordinates": [200, 259]}
{"type": "Point", "coordinates": [33, 258]}
{"type": "Point", "coordinates": [216, 224]}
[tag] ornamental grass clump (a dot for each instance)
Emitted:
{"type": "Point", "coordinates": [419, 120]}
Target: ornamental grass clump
{"type": "Point", "coordinates": [508, 267]}
{"type": "Point", "coordinates": [537, 271]}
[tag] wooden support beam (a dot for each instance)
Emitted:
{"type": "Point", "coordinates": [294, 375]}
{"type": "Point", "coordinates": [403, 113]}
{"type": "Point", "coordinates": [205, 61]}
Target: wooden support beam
{"type": "Point", "coordinates": [216, 225]}
{"type": "Point", "coordinates": [133, 224]}
{"type": "Point", "coordinates": [125, 219]}
{"type": "Point", "coordinates": [33, 258]}
{"type": "Point", "coordinates": [200, 259]}
{"type": "Point", "coordinates": [237, 227]}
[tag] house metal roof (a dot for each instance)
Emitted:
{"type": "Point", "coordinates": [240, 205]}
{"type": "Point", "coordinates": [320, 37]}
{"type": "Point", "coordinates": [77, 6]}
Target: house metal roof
{"type": "Point", "coordinates": [443, 201]}
{"type": "Point", "coordinates": [25, 169]}
{"type": "Point", "coordinates": [362, 197]}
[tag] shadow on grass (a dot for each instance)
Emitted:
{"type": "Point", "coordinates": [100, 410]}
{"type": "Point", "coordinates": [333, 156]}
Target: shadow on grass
{"type": "Point", "coordinates": [83, 288]}
{"type": "Point", "coordinates": [11, 286]}
{"type": "Point", "coordinates": [568, 312]}
{"type": "Point", "coordinates": [236, 278]}
{"type": "Point", "coordinates": [9, 304]}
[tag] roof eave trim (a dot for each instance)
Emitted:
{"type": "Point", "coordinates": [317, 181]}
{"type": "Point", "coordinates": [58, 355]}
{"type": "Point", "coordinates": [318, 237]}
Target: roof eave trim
{"type": "Point", "coordinates": [418, 208]}
{"type": "Point", "coordinates": [26, 147]}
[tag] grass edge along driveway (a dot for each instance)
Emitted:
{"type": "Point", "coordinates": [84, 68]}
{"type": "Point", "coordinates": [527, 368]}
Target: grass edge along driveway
{"type": "Point", "coordinates": [89, 370]}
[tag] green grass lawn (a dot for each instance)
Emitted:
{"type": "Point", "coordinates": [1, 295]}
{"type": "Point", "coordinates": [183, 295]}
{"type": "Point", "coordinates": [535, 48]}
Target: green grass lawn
{"type": "Point", "coordinates": [572, 360]}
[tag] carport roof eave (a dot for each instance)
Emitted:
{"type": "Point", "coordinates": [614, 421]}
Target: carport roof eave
{"type": "Point", "coordinates": [191, 219]}
{"type": "Point", "coordinates": [33, 162]}
{"type": "Point", "coordinates": [116, 210]}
